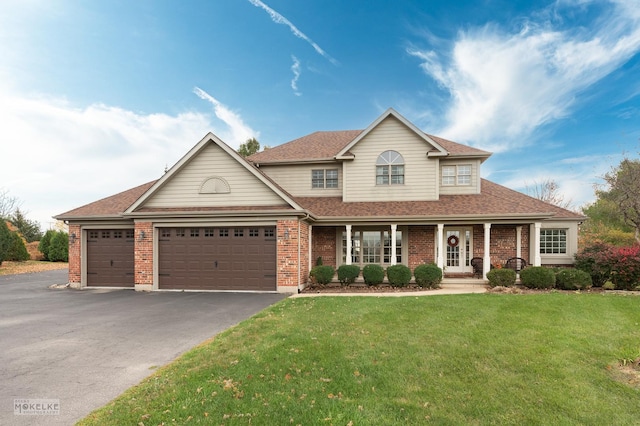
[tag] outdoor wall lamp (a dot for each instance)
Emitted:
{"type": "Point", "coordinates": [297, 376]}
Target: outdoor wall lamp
{"type": "Point", "coordinates": [73, 237]}
{"type": "Point", "coordinates": [142, 235]}
{"type": "Point", "coordinates": [286, 234]}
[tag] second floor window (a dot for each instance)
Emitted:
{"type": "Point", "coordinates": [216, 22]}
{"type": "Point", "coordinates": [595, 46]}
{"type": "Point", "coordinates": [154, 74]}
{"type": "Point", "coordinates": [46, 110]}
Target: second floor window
{"type": "Point", "coordinates": [324, 178]}
{"type": "Point", "coordinates": [390, 169]}
{"type": "Point", "coordinates": [456, 175]}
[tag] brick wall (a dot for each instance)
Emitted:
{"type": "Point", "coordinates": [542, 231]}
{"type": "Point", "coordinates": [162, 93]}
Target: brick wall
{"type": "Point", "coordinates": [75, 259]}
{"type": "Point", "coordinates": [324, 245]}
{"type": "Point", "coordinates": [304, 252]}
{"type": "Point", "coordinates": [143, 253]}
{"type": "Point", "coordinates": [287, 255]}
{"type": "Point", "coordinates": [503, 242]}
{"type": "Point", "coordinates": [421, 245]}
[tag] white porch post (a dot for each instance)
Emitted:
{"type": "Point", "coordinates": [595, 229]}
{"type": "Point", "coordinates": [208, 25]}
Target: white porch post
{"type": "Point", "coordinates": [348, 256]}
{"type": "Point", "coordinates": [440, 237]}
{"type": "Point", "coordinates": [486, 263]}
{"type": "Point", "coordinates": [394, 228]}
{"type": "Point", "coordinates": [518, 241]}
{"type": "Point", "coordinates": [537, 260]}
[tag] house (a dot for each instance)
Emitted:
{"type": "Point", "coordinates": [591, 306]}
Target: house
{"type": "Point", "coordinates": [388, 194]}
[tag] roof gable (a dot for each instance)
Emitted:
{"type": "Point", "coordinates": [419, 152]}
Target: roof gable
{"type": "Point", "coordinates": [212, 174]}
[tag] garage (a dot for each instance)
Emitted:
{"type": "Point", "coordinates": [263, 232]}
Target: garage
{"type": "Point", "coordinates": [110, 261]}
{"type": "Point", "coordinates": [217, 258]}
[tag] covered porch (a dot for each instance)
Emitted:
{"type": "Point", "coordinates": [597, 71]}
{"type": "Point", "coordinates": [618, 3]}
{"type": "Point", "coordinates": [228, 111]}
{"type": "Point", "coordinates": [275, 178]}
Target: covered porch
{"type": "Point", "coordinates": [454, 247]}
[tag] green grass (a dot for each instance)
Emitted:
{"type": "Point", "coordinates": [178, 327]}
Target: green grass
{"type": "Point", "coordinates": [461, 359]}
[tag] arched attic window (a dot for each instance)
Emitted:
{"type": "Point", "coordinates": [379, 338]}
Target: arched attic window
{"type": "Point", "coordinates": [390, 169]}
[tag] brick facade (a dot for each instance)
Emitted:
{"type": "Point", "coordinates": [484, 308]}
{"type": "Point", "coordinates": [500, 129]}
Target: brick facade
{"type": "Point", "coordinates": [421, 245]}
{"type": "Point", "coordinates": [324, 245]}
{"type": "Point", "coordinates": [287, 256]}
{"type": "Point", "coordinates": [304, 252]}
{"type": "Point", "coordinates": [143, 255]}
{"type": "Point", "coordinates": [75, 255]}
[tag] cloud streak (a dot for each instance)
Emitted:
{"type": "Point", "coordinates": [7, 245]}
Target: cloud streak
{"type": "Point", "coordinates": [239, 132]}
{"type": "Point", "coordinates": [295, 68]}
{"type": "Point", "coordinates": [279, 19]}
{"type": "Point", "coordinates": [503, 86]}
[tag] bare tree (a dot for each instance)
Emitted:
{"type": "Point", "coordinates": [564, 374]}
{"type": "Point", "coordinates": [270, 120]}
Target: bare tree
{"type": "Point", "coordinates": [8, 204]}
{"type": "Point", "coordinates": [549, 192]}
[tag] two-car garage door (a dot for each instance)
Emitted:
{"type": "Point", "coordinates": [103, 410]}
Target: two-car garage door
{"type": "Point", "coordinates": [217, 258]}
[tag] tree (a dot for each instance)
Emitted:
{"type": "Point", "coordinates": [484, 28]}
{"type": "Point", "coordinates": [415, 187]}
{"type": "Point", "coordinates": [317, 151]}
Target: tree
{"type": "Point", "coordinates": [549, 192]}
{"type": "Point", "coordinates": [17, 251]}
{"type": "Point", "coordinates": [59, 247]}
{"type": "Point", "coordinates": [30, 229]}
{"type": "Point", "coordinates": [250, 147]}
{"type": "Point", "coordinates": [5, 240]}
{"type": "Point", "coordinates": [8, 204]}
{"type": "Point", "coordinates": [623, 190]}
{"type": "Point", "coordinates": [45, 242]}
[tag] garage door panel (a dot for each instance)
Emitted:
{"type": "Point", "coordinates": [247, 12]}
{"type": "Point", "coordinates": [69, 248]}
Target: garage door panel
{"type": "Point", "coordinates": [110, 258]}
{"type": "Point", "coordinates": [218, 259]}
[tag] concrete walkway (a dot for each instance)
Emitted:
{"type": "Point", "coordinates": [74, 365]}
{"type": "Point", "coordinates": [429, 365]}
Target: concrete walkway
{"type": "Point", "coordinates": [473, 286]}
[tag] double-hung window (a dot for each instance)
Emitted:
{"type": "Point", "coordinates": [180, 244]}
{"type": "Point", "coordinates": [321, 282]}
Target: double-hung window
{"type": "Point", "coordinates": [456, 175]}
{"type": "Point", "coordinates": [322, 178]}
{"type": "Point", "coordinates": [390, 169]}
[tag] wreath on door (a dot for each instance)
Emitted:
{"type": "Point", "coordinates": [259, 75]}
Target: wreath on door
{"type": "Point", "coordinates": [453, 241]}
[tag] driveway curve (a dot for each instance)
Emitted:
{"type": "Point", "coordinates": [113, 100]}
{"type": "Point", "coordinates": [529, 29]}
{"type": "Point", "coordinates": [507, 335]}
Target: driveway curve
{"type": "Point", "coordinates": [86, 347]}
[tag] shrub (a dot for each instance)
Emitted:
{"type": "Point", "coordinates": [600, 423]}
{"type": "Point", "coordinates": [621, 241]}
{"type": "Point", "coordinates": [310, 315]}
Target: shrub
{"type": "Point", "coordinates": [43, 246]}
{"type": "Point", "coordinates": [537, 277]}
{"type": "Point", "coordinates": [572, 279]}
{"type": "Point", "coordinates": [59, 247]}
{"type": "Point", "coordinates": [501, 277]}
{"type": "Point", "coordinates": [319, 261]}
{"type": "Point", "coordinates": [399, 275]}
{"type": "Point", "coordinates": [625, 267]}
{"type": "Point", "coordinates": [347, 274]}
{"type": "Point", "coordinates": [322, 274]}
{"type": "Point", "coordinates": [17, 250]}
{"type": "Point", "coordinates": [5, 240]}
{"type": "Point", "coordinates": [428, 276]}
{"type": "Point", "coordinates": [593, 260]}
{"type": "Point", "coordinates": [373, 274]}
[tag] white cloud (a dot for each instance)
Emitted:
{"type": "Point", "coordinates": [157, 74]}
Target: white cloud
{"type": "Point", "coordinates": [239, 132]}
{"type": "Point", "coordinates": [504, 86]}
{"type": "Point", "coordinates": [295, 68]}
{"type": "Point", "coordinates": [57, 156]}
{"type": "Point", "coordinates": [279, 19]}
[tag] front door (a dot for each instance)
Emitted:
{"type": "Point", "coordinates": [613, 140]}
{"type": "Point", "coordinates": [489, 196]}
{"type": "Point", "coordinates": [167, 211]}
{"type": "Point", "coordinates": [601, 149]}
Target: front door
{"type": "Point", "coordinates": [458, 250]}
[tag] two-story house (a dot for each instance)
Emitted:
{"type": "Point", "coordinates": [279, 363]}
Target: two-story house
{"type": "Point", "coordinates": [388, 194]}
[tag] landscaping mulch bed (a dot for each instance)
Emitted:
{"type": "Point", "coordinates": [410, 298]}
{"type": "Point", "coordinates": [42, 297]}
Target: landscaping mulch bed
{"type": "Point", "coordinates": [30, 266]}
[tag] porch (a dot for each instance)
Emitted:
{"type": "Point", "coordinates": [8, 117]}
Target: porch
{"type": "Point", "coordinates": [463, 251]}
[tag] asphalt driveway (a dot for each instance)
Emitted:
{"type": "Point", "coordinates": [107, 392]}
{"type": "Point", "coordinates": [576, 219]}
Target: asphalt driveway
{"type": "Point", "coordinates": [86, 347]}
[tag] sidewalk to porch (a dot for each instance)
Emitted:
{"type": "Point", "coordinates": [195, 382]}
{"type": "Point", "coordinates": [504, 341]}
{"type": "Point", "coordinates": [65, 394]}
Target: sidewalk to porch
{"type": "Point", "coordinates": [447, 286]}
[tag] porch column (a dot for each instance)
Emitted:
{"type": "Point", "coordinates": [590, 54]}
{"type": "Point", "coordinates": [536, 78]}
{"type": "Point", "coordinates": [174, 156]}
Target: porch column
{"type": "Point", "coordinates": [486, 263]}
{"type": "Point", "coordinates": [518, 241]}
{"type": "Point", "coordinates": [440, 237]}
{"type": "Point", "coordinates": [394, 228]}
{"type": "Point", "coordinates": [348, 256]}
{"type": "Point", "coordinates": [537, 260]}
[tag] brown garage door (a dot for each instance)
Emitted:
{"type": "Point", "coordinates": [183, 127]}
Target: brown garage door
{"type": "Point", "coordinates": [217, 258]}
{"type": "Point", "coordinates": [110, 258]}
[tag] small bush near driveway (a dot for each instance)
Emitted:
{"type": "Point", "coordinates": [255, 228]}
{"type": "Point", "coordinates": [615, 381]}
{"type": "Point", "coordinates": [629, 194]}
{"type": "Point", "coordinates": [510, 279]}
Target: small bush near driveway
{"type": "Point", "coordinates": [347, 274]}
{"type": "Point", "coordinates": [322, 274]}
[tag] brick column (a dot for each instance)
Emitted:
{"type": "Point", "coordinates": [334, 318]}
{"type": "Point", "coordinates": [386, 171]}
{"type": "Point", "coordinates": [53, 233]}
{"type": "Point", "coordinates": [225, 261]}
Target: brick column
{"type": "Point", "coordinates": [75, 256]}
{"type": "Point", "coordinates": [288, 261]}
{"type": "Point", "coordinates": [143, 256]}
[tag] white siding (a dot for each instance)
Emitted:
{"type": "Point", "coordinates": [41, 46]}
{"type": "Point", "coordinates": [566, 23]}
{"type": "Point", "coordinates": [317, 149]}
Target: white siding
{"type": "Point", "coordinates": [473, 188]}
{"type": "Point", "coordinates": [182, 190]}
{"type": "Point", "coordinates": [419, 171]}
{"type": "Point", "coordinates": [296, 179]}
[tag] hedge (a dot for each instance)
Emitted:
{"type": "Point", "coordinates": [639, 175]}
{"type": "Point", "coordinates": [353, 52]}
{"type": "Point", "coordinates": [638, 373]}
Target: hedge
{"type": "Point", "coordinates": [428, 276]}
{"type": "Point", "coordinates": [399, 275]}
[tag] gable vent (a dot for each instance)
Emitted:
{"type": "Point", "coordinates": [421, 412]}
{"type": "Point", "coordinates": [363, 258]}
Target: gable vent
{"type": "Point", "coordinates": [214, 185]}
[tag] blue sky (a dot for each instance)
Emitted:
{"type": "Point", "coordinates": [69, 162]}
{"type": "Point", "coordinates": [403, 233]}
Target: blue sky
{"type": "Point", "coordinates": [100, 96]}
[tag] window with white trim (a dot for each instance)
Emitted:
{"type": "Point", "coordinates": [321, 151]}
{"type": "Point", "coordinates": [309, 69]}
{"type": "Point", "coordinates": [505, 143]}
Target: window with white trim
{"type": "Point", "coordinates": [553, 241]}
{"type": "Point", "coordinates": [321, 178]}
{"type": "Point", "coordinates": [456, 175]}
{"type": "Point", "coordinates": [371, 246]}
{"type": "Point", "coordinates": [390, 169]}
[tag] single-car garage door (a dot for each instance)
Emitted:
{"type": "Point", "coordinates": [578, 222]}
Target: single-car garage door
{"type": "Point", "coordinates": [217, 258]}
{"type": "Point", "coordinates": [110, 258]}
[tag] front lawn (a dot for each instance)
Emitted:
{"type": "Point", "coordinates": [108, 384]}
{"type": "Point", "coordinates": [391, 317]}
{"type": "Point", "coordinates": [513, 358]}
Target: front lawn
{"type": "Point", "coordinates": [459, 359]}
